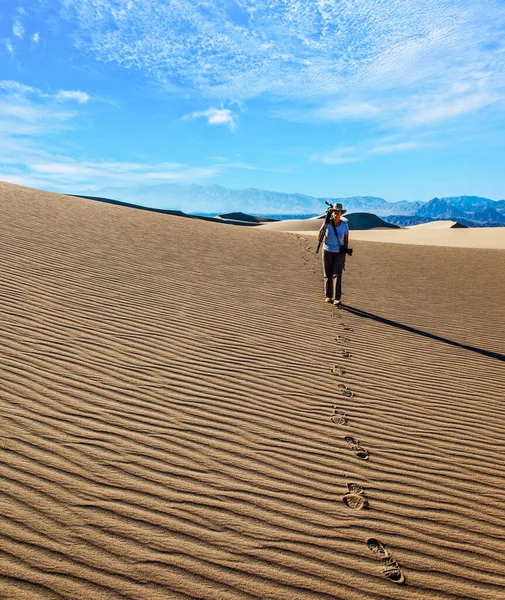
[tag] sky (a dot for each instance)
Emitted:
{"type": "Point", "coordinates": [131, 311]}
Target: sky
{"type": "Point", "coordinates": [399, 99]}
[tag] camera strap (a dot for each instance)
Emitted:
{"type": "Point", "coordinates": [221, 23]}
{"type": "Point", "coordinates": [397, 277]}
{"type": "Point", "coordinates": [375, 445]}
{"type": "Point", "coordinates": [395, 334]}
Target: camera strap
{"type": "Point", "coordinates": [335, 230]}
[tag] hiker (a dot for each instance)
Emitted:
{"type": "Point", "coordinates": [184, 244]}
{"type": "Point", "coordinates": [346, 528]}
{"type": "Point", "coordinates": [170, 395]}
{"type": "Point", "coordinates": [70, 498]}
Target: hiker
{"type": "Point", "coordinates": [336, 239]}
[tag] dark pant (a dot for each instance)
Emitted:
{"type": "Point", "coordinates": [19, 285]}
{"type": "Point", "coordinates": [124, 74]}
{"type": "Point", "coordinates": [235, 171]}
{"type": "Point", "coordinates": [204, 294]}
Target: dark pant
{"type": "Point", "coordinates": [333, 265]}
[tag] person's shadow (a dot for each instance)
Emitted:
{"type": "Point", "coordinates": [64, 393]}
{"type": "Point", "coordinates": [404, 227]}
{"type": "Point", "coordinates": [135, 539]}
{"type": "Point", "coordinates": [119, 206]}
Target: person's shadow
{"type": "Point", "coordinates": [361, 313]}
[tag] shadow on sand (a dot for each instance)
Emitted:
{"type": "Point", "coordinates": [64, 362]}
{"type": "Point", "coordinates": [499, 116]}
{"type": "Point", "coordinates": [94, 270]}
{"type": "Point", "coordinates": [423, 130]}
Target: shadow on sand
{"type": "Point", "coordinates": [361, 313]}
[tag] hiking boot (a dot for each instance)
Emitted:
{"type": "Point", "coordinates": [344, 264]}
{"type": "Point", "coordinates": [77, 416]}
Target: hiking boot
{"type": "Point", "coordinates": [329, 300]}
{"type": "Point", "coordinates": [337, 302]}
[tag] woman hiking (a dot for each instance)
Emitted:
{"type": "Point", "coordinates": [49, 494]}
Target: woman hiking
{"type": "Point", "coordinates": [336, 239]}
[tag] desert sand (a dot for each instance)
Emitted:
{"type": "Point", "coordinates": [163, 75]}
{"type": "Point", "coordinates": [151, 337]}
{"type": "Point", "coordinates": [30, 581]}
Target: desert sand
{"type": "Point", "coordinates": [183, 417]}
{"type": "Point", "coordinates": [436, 233]}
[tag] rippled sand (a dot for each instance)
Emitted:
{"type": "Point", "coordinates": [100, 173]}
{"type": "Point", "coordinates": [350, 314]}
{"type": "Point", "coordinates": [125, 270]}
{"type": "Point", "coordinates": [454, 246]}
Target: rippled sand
{"type": "Point", "coordinates": [182, 416]}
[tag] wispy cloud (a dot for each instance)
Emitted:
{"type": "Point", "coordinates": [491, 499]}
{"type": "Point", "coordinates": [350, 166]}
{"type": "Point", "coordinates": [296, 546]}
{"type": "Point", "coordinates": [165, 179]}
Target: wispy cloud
{"type": "Point", "coordinates": [36, 37]}
{"type": "Point", "coordinates": [300, 50]}
{"type": "Point", "coordinates": [59, 173]}
{"type": "Point", "coordinates": [29, 117]}
{"type": "Point", "coordinates": [80, 97]}
{"type": "Point", "coordinates": [350, 154]}
{"type": "Point", "coordinates": [9, 47]}
{"type": "Point", "coordinates": [458, 98]}
{"type": "Point", "coordinates": [105, 173]}
{"type": "Point", "coordinates": [18, 89]}
{"type": "Point", "coordinates": [338, 156]}
{"type": "Point", "coordinates": [17, 29]}
{"type": "Point", "coordinates": [386, 148]}
{"type": "Point", "coordinates": [216, 116]}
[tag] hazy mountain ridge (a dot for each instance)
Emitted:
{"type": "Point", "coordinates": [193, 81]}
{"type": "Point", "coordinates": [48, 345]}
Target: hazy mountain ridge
{"type": "Point", "coordinates": [474, 210]}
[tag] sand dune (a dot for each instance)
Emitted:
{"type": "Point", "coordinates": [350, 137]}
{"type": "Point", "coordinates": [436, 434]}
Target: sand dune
{"type": "Point", "coordinates": [445, 224]}
{"type": "Point", "coordinates": [183, 417]}
{"type": "Point", "coordinates": [436, 233]}
{"type": "Point", "coordinates": [481, 237]}
{"type": "Point", "coordinates": [357, 221]}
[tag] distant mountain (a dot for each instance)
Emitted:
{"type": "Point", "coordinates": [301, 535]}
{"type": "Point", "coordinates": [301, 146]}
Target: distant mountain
{"type": "Point", "coordinates": [488, 215]}
{"type": "Point", "coordinates": [204, 199]}
{"type": "Point", "coordinates": [377, 206]}
{"type": "Point", "coordinates": [469, 204]}
{"type": "Point", "coordinates": [498, 205]}
{"type": "Point", "coordinates": [404, 207]}
{"type": "Point", "coordinates": [439, 209]}
{"type": "Point", "coordinates": [406, 220]}
{"type": "Point", "coordinates": [199, 199]}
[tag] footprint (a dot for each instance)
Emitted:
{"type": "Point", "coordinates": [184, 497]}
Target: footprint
{"type": "Point", "coordinates": [355, 498]}
{"type": "Point", "coordinates": [355, 488]}
{"type": "Point", "coordinates": [393, 571]}
{"type": "Point", "coordinates": [337, 370]}
{"type": "Point", "coordinates": [345, 391]}
{"type": "Point", "coordinates": [355, 501]}
{"type": "Point", "coordinates": [342, 340]}
{"type": "Point", "coordinates": [346, 353]}
{"type": "Point", "coordinates": [356, 448]}
{"type": "Point", "coordinates": [391, 568]}
{"type": "Point", "coordinates": [377, 548]}
{"type": "Point", "coordinates": [339, 417]}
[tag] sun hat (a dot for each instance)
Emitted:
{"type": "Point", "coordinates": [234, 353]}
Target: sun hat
{"type": "Point", "coordinates": [338, 206]}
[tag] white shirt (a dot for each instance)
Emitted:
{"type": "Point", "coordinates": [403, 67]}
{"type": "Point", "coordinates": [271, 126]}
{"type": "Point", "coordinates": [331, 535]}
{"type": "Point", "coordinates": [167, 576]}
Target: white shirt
{"type": "Point", "coordinates": [332, 243]}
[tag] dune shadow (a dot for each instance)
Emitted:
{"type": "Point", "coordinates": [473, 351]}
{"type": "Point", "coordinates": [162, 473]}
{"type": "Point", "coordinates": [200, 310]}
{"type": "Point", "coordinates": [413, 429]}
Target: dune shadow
{"type": "Point", "coordinates": [362, 313]}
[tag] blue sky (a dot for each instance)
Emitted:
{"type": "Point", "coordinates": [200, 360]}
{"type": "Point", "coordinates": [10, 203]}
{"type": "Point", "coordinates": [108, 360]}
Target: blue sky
{"type": "Point", "coordinates": [399, 99]}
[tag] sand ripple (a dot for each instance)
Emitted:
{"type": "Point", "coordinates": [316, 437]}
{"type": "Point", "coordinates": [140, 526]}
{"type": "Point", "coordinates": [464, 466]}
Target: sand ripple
{"type": "Point", "coordinates": [167, 394]}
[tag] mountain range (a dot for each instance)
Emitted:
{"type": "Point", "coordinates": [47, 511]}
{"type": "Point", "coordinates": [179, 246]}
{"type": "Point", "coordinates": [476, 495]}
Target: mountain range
{"type": "Point", "coordinates": [215, 199]}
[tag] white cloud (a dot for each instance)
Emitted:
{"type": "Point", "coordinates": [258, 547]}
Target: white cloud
{"type": "Point", "coordinates": [337, 156]}
{"type": "Point", "coordinates": [350, 154]}
{"type": "Point", "coordinates": [298, 49]}
{"type": "Point", "coordinates": [17, 29]}
{"type": "Point", "coordinates": [36, 37]}
{"type": "Point", "coordinates": [216, 116]}
{"type": "Point", "coordinates": [459, 98]}
{"type": "Point", "coordinates": [344, 109]}
{"type": "Point", "coordinates": [20, 90]}
{"type": "Point", "coordinates": [9, 46]}
{"type": "Point", "coordinates": [81, 97]}
{"type": "Point", "coordinates": [15, 87]}
{"type": "Point", "coordinates": [28, 119]}
{"type": "Point", "coordinates": [393, 148]}
{"type": "Point", "coordinates": [57, 172]}
{"type": "Point", "coordinates": [348, 110]}
{"type": "Point", "coordinates": [28, 111]}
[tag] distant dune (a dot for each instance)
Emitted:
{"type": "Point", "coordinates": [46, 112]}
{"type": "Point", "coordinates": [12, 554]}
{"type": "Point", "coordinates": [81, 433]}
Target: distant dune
{"type": "Point", "coordinates": [182, 416]}
{"type": "Point", "coordinates": [445, 235]}
{"type": "Point", "coordinates": [240, 216]}
{"type": "Point", "coordinates": [363, 221]}
{"type": "Point", "coordinates": [439, 225]}
{"type": "Point", "coordinates": [356, 221]}
{"type": "Point", "coordinates": [437, 233]}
